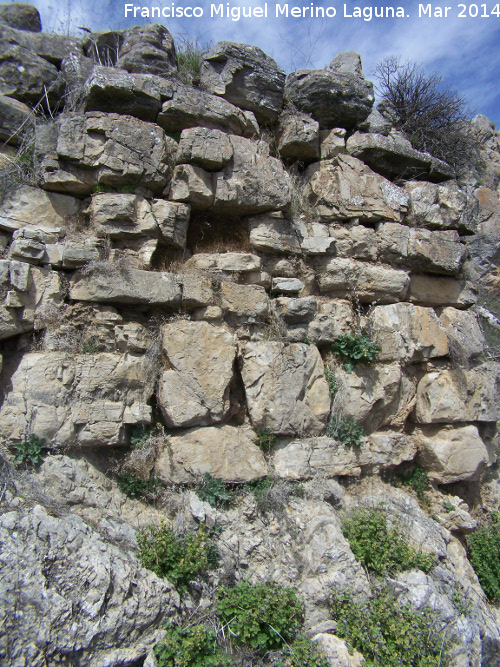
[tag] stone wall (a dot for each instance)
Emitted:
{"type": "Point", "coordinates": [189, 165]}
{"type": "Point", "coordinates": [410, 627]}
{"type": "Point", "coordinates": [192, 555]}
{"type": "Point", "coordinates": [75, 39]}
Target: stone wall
{"type": "Point", "coordinates": [185, 256]}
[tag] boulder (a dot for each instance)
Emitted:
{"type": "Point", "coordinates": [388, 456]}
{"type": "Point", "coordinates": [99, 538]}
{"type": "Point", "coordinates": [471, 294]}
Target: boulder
{"type": "Point", "coordinates": [465, 338]}
{"type": "Point", "coordinates": [333, 98]}
{"type": "Point", "coordinates": [483, 246]}
{"type": "Point", "coordinates": [192, 185]}
{"type": "Point", "coordinates": [345, 188]}
{"type": "Point", "coordinates": [334, 318]}
{"type": "Point", "coordinates": [110, 283]}
{"type": "Point", "coordinates": [87, 399]}
{"type": "Point", "coordinates": [347, 62]}
{"type": "Point", "coordinates": [357, 241]}
{"type": "Point", "coordinates": [190, 107]}
{"type": "Point", "coordinates": [451, 454]}
{"type": "Point", "coordinates": [82, 594]}
{"type": "Point", "coordinates": [440, 291]}
{"type": "Point", "coordinates": [298, 137]}
{"type": "Point", "coordinates": [332, 143]}
{"type": "Point", "coordinates": [122, 216]}
{"type": "Point", "coordinates": [25, 204]}
{"type": "Point", "coordinates": [438, 207]}
{"type": "Point", "coordinates": [294, 310]}
{"type": "Point", "coordinates": [245, 76]}
{"type": "Point", "coordinates": [81, 151]}
{"type": "Point", "coordinates": [273, 234]}
{"type": "Point", "coordinates": [344, 277]}
{"type": "Point", "coordinates": [282, 285]}
{"type": "Point", "coordinates": [173, 221]}
{"type": "Point", "coordinates": [21, 17]}
{"type": "Point", "coordinates": [244, 304]}
{"type": "Point", "coordinates": [375, 123]}
{"type": "Point", "coordinates": [239, 262]}
{"type": "Point", "coordinates": [407, 333]}
{"type": "Point", "coordinates": [303, 459]}
{"type": "Point", "coordinates": [285, 387]}
{"type": "Point", "coordinates": [375, 396]}
{"type": "Point", "coordinates": [394, 157]}
{"type": "Point", "coordinates": [459, 395]}
{"type": "Point", "coordinates": [15, 120]}
{"type": "Point", "coordinates": [148, 49]}
{"type": "Point", "coordinates": [194, 387]}
{"type": "Point", "coordinates": [210, 149]}
{"type": "Point", "coordinates": [225, 452]}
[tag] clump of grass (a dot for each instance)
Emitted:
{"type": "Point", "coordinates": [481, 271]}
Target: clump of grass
{"type": "Point", "coordinates": [189, 60]}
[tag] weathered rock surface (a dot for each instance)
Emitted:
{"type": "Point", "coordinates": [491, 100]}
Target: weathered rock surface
{"type": "Point", "coordinates": [81, 151]}
{"type": "Point", "coordinates": [226, 452]}
{"type": "Point", "coordinates": [407, 333]}
{"type": "Point", "coordinates": [244, 304]}
{"type": "Point", "coordinates": [451, 454]}
{"type": "Point", "coordinates": [83, 398]}
{"type": "Point", "coordinates": [148, 49]}
{"type": "Point", "coordinates": [210, 149]}
{"type": "Point", "coordinates": [334, 318]}
{"type": "Point", "coordinates": [466, 340]}
{"type": "Point", "coordinates": [440, 291]}
{"type": "Point", "coordinates": [336, 651]}
{"type": "Point", "coordinates": [333, 98]}
{"type": "Point", "coordinates": [272, 234]}
{"type": "Point", "coordinates": [240, 262]}
{"type": "Point", "coordinates": [341, 277]}
{"type": "Point", "coordinates": [245, 76]}
{"type": "Point", "coordinates": [298, 137]}
{"type": "Point", "coordinates": [285, 387]}
{"type": "Point", "coordinates": [345, 188]}
{"type": "Point", "coordinates": [122, 216]}
{"type": "Point", "coordinates": [14, 120]}
{"type": "Point", "coordinates": [69, 571]}
{"type": "Point", "coordinates": [21, 17]}
{"type": "Point", "coordinates": [332, 143]}
{"type": "Point", "coordinates": [194, 388]}
{"type": "Point", "coordinates": [438, 207]}
{"type": "Point", "coordinates": [25, 204]}
{"type": "Point", "coordinates": [394, 157]}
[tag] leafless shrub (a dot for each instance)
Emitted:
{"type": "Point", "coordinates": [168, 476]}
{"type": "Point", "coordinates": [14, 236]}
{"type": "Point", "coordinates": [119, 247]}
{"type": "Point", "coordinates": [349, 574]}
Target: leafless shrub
{"type": "Point", "coordinates": [276, 329]}
{"type": "Point", "coordinates": [276, 498]}
{"type": "Point", "coordinates": [433, 116]}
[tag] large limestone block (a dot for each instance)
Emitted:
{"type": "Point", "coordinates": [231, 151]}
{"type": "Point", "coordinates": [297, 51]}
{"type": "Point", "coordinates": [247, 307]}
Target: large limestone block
{"type": "Point", "coordinates": [85, 399]}
{"type": "Point", "coordinates": [344, 277]}
{"type": "Point", "coordinates": [298, 137]}
{"type": "Point", "coordinates": [27, 205]}
{"type": "Point", "coordinates": [15, 120]}
{"type": "Point", "coordinates": [394, 157]}
{"type": "Point", "coordinates": [294, 310]}
{"type": "Point", "coordinates": [173, 221]}
{"type": "Point", "coordinates": [459, 395]}
{"type": "Point", "coordinates": [437, 206]}
{"type": "Point", "coordinates": [148, 49]}
{"type": "Point", "coordinates": [440, 291]}
{"type": "Point", "coordinates": [303, 459]}
{"type": "Point", "coordinates": [253, 182]}
{"type": "Point", "coordinates": [333, 98]}
{"type": "Point", "coordinates": [226, 452]}
{"type": "Point", "coordinates": [192, 185]}
{"type": "Point", "coordinates": [451, 454]}
{"type": "Point", "coordinates": [194, 388]}
{"type": "Point", "coordinates": [285, 387]}
{"type": "Point", "coordinates": [79, 151]}
{"type": "Point", "coordinates": [407, 333]}
{"type": "Point", "coordinates": [375, 396]}
{"type": "Point", "coordinates": [132, 286]}
{"type": "Point", "coordinates": [245, 76]}
{"type": "Point", "coordinates": [240, 262]}
{"type": "Point", "coordinates": [190, 107]}
{"type": "Point", "coordinates": [334, 318]}
{"type": "Point", "coordinates": [51, 47]}
{"type": "Point", "coordinates": [272, 234]}
{"type": "Point", "coordinates": [466, 340]}
{"type": "Point", "coordinates": [345, 188]}
{"type": "Point", "coordinates": [21, 17]}
{"type": "Point", "coordinates": [244, 304]}
{"type": "Point", "coordinates": [27, 293]}
{"type": "Point", "coordinates": [210, 149]}
{"type": "Point", "coordinates": [122, 216]}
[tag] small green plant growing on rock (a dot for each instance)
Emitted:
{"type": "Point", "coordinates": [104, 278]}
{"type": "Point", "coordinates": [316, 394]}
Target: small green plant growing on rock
{"type": "Point", "coordinates": [214, 491]}
{"type": "Point", "coordinates": [195, 646]}
{"type": "Point", "coordinates": [139, 433]}
{"type": "Point", "coordinates": [419, 482]}
{"type": "Point", "coordinates": [483, 547]}
{"type": "Point", "coordinates": [354, 350]}
{"type": "Point", "coordinates": [331, 381]}
{"type": "Point", "coordinates": [346, 431]}
{"type": "Point", "coordinates": [381, 548]}
{"type": "Point", "coordinates": [266, 440]}
{"type": "Point", "coordinates": [264, 616]}
{"type": "Point", "coordinates": [302, 653]}
{"type": "Point", "coordinates": [389, 634]}
{"type": "Point", "coordinates": [30, 451]}
{"type": "Point", "coordinates": [178, 558]}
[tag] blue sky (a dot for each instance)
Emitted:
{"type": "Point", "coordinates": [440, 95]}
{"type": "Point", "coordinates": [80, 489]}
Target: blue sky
{"type": "Point", "coordinates": [465, 51]}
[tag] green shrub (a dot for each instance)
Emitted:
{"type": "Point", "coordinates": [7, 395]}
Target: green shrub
{"type": "Point", "coordinates": [179, 558]}
{"type": "Point", "coordinates": [30, 451]}
{"type": "Point", "coordinates": [266, 440]}
{"type": "Point", "coordinates": [302, 653]}
{"type": "Point", "coordinates": [484, 554]}
{"type": "Point", "coordinates": [214, 491]}
{"type": "Point", "coordinates": [382, 549]}
{"type": "Point", "coordinates": [139, 433]}
{"type": "Point", "coordinates": [389, 634]}
{"type": "Point", "coordinates": [419, 482]}
{"type": "Point", "coordinates": [264, 616]}
{"type": "Point", "coordinates": [331, 380]}
{"type": "Point", "coordinates": [190, 647]}
{"type": "Point", "coordinates": [346, 431]}
{"type": "Point", "coordinates": [354, 350]}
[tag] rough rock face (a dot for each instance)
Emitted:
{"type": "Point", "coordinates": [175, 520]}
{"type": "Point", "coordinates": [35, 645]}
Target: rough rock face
{"type": "Point", "coordinates": [245, 76]}
{"type": "Point", "coordinates": [332, 97]}
{"type": "Point", "coordinates": [194, 389]}
{"type": "Point", "coordinates": [14, 120]}
{"type": "Point", "coordinates": [21, 17]}
{"type": "Point", "coordinates": [148, 49]}
{"type": "Point", "coordinates": [293, 376]}
{"type": "Point", "coordinates": [25, 204]}
{"type": "Point", "coordinates": [88, 399]}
